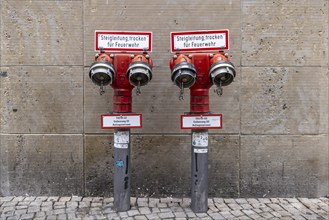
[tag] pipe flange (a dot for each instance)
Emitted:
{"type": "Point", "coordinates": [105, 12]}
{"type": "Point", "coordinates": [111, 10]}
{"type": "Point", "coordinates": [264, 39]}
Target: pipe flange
{"type": "Point", "coordinates": [102, 73]}
{"type": "Point", "coordinates": [222, 73]}
{"type": "Point", "coordinates": [183, 74]}
{"type": "Point", "coordinates": [139, 73]}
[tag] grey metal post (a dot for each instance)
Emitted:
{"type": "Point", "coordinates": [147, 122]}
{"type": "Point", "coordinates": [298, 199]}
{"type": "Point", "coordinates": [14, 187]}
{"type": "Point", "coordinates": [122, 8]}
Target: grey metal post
{"type": "Point", "coordinates": [122, 171]}
{"type": "Point", "coordinates": [199, 194]}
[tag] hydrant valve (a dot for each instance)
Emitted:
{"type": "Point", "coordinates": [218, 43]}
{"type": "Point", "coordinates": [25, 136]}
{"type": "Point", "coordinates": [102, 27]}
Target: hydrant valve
{"type": "Point", "coordinates": [102, 72]}
{"type": "Point", "coordinates": [222, 71]}
{"type": "Point", "coordinates": [139, 71]}
{"type": "Point", "coordinates": [191, 70]}
{"type": "Point", "coordinates": [183, 72]}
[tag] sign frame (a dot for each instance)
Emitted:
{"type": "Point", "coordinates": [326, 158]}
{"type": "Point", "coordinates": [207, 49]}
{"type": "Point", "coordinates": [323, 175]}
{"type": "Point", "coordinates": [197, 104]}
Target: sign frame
{"type": "Point", "coordinates": [198, 32]}
{"type": "Point", "coordinates": [201, 115]}
{"type": "Point", "coordinates": [146, 33]}
{"type": "Point", "coordinates": [121, 114]}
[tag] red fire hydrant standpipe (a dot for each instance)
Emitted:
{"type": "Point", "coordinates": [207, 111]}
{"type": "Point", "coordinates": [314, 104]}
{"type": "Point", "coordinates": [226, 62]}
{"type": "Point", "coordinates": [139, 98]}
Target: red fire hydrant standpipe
{"type": "Point", "coordinates": [123, 72]}
{"type": "Point", "coordinates": [199, 71]}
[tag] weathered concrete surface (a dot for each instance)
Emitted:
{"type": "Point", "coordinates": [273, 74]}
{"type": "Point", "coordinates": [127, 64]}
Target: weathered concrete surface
{"type": "Point", "coordinates": [154, 157]}
{"type": "Point", "coordinates": [0, 31]}
{"type": "Point", "coordinates": [98, 165]}
{"type": "Point", "coordinates": [1, 73]}
{"type": "Point", "coordinates": [284, 166]}
{"type": "Point", "coordinates": [45, 99]}
{"type": "Point", "coordinates": [41, 165]}
{"type": "Point", "coordinates": [285, 33]}
{"type": "Point", "coordinates": [161, 18]}
{"type": "Point", "coordinates": [284, 100]}
{"type": "Point", "coordinates": [279, 98]}
{"type": "Point", "coordinates": [41, 32]}
{"type": "Point", "coordinates": [224, 157]}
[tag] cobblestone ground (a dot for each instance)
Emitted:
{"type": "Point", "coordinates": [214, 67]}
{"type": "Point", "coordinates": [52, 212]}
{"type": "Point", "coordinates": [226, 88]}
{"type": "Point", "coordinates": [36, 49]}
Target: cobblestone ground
{"type": "Point", "coordinates": [163, 208]}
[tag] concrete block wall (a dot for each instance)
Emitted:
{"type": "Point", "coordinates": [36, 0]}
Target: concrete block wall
{"type": "Point", "coordinates": [274, 140]}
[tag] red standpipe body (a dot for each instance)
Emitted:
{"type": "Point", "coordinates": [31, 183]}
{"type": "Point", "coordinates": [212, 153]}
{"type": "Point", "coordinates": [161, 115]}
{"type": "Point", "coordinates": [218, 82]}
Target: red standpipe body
{"type": "Point", "coordinates": [118, 64]}
{"type": "Point", "coordinates": [122, 95]}
{"type": "Point", "coordinates": [199, 92]}
{"type": "Point", "coordinates": [199, 104]}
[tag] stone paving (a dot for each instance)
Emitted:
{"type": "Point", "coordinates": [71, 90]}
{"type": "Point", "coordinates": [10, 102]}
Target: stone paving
{"type": "Point", "coordinates": [75, 207]}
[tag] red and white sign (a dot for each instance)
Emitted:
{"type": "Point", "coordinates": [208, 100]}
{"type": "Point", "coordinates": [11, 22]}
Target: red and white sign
{"type": "Point", "coordinates": [212, 40]}
{"type": "Point", "coordinates": [116, 121]}
{"type": "Point", "coordinates": [208, 121]}
{"type": "Point", "coordinates": [123, 41]}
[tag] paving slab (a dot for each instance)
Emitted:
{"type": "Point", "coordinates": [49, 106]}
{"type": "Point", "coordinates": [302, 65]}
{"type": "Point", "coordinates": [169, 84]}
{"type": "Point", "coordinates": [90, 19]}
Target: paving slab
{"type": "Point", "coordinates": [102, 208]}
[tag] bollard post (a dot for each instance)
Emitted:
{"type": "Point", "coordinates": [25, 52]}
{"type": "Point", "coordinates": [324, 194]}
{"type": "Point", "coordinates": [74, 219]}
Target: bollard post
{"type": "Point", "coordinates": [199, 168]}
{"type": "Point", "coordinates": [123, 72]}
{"type": "Point", "coordinates": [122, 170]}
{"type": "Point", "coordinates": [198, 72]}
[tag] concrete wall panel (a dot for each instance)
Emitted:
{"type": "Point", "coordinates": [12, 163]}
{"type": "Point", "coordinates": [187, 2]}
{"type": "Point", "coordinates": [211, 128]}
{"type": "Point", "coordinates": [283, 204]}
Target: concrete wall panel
{"type": "Point", "coordinates": [154, 157]}
{"type": "Point", "coordinates": [284, 100]}
{"type": "Point", "coordinates": [284, 166]}
{"type": "Point", "coordinates": [41, 165]}
{"type": "Point", "coordinates": [278, 104]}
{"type": "Point", "coordinates": [161, 18]}
{"type": "Point", "coordinates": [98, 165]}
{"type": "Point", "coordinates": [285, 33]}
{"type": "Point", "coordinates": [0, 30]}
{"type": "Point", "coordinates": [224, 165]}
{"type": "Point", "coordinates": [44, 99]}
{"type": "Point", "coordinates": [1, 73]}
{"type": "Point", "coordinates": [41, 32]}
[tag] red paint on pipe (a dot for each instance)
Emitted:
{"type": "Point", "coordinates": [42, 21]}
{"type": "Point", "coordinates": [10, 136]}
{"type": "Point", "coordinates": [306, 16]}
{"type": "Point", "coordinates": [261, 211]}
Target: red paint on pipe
{"type": "Point", "coordinates": [199, 92]}
{"type": "Point", "coordinates": [122, 95]}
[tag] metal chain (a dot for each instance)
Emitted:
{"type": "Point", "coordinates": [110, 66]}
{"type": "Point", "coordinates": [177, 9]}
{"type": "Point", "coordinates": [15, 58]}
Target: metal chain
{"type": "Point", "coordinates": [181, 92]}
{"type": "Point", "coordinates": [138, 89]}
{"type": "Point", "coordinates": [219, 89]}
{"type": "Point", "coordinates": [101, 89]}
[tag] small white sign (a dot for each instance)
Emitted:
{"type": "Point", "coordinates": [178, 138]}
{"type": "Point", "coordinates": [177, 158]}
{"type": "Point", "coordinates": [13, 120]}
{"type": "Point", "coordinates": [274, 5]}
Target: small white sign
{"type": "Point", "coordinates": [123, 41]}
{"type": "Point", "coordinates": [209, 121]}
{"type": "Point", "coordinates": [211, 40]}
{"type": "Point", "coordinates": [121, 146]}
{"type": "Point", "coordinates": [200, 139]}
{"type": "Point", "coordinates": [200, 151]}
{"type": "Point", "coordinates": [121, 137]}
{"type": "Point", "coordinates": [113, 121]}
